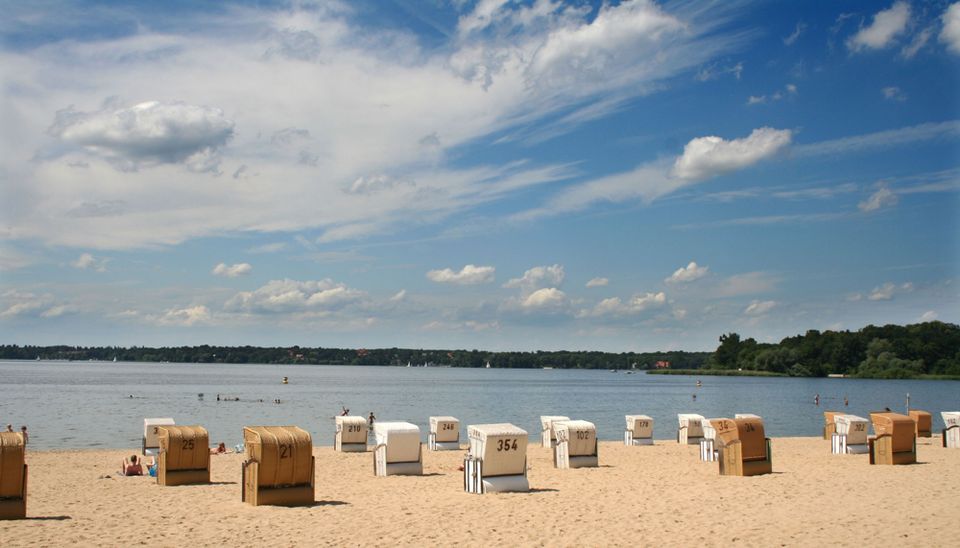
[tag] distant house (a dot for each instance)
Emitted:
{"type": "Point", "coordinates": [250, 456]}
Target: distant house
{"type": "Point", "coordinates": [662, 365]}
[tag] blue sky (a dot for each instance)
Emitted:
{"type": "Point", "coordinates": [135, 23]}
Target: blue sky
{"type": "Point", "coordinates": [496, 175]}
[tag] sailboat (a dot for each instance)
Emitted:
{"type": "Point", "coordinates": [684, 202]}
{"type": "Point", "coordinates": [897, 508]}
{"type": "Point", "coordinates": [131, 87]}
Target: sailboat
{"type": "Point", "coordinates": [487, 366]}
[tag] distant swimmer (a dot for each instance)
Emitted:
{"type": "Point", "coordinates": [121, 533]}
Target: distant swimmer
{"type": "Point", "coordinates": [371, 419]}
{"type": "Point", "coordinates": [694, 397]}
{"type": "Point", "coordinates": [344, 411]}
{"type": "Point", "coordinates": [699, 384]}
{"type": "Point", "coordinates": [816, 399]}
{"type": "Point", "coordinates": [846, 402]}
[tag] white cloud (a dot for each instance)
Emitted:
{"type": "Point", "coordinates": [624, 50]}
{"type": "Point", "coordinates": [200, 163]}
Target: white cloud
{"type": "Point", "coordinates": [288, 295]}
{"type": "Point", "coordinates": [788, 90]}
{"type": "Point", "coordinates": [148, 133]}
{"type": "Point", "coordinates": [882, 198]}
{"type": "Point", "coordinates": [614, 306]}
{"type": "Point", "coordinates": [231, 271]}
{"type": "Point", "coordinates": [185, 317]}
{"type": "Point", "coordinates": [398, 296]}
{"type": "Point", "coordinates": [711, 156]}
{"type": "Point", "coordinates": [547, 297]}
{"type": "Point", "coordinates": [928, 316]}
{"type": "Point", "coordinates": [598, 282]}
{"type": "Point", "coordinates": [950, 35]}
{"type": "Point", "coordinates": [468, 275]}
{"type": "Point", "coordinates": [886, 26]}
{"type": "Point", "coordinates": [759, 308]}
{"type": "Point", "coordinates": [746, 284]}
{"type": "Point", "coordinates": [795, 35]}
{"type": "Point", "coordinates": [17, 303]}
{"type": "Point", "coordinates": [888, 290]}
{"type": "Point", "coordinates": [687, 273]}
{"type": "Point", "coordinates": [538, 277]}
{"type": "Point", "coordinates": [469, 325]}
{"type": "Point", "coordinates": [882, 139]}
{"type": "Point", "coordinates": [268, 248]}
{"type": "Point", "coordinates": [88, 261]}
{"type": "Point", "coordinates": [919, 41]}
{"type": "Point", "coordinates": [893, 93]}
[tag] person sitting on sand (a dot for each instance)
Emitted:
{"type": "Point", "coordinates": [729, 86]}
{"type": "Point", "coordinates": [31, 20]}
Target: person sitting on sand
{"type": "Point", "coordinates": [219, 450]}
{"type": "Point", "coordinates": [131, 467]}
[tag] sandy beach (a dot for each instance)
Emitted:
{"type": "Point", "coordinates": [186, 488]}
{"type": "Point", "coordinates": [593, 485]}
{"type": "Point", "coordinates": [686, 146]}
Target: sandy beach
{"type": "Point", "coordinates": [659, 495]}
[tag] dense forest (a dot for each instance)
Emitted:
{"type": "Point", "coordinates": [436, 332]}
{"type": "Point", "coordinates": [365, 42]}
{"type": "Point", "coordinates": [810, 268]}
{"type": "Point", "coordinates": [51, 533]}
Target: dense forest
{"type": "Point", "coordinates": [891, 351]}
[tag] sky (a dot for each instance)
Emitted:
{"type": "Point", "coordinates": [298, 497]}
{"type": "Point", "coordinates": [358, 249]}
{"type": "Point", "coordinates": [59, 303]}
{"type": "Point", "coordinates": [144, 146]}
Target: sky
{"type": "Point", "coordinates": [493, 174]}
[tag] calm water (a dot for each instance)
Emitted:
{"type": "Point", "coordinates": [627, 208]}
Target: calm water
{"type": "Point", "coordinates": [88, 404]}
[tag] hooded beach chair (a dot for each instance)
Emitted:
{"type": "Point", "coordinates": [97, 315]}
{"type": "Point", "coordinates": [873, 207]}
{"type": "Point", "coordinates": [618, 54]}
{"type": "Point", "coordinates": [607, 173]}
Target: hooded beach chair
{"type": "Point", "coordinates": [576, 445]}
{"type": "Point", "coordinates": [184, 457]}
{"type": "Point", "coordinates": [850, 436]}
{"type": "Point", "coordinates": [13, 477]}
{"type": "Point", "coordinates": [951, 429]}
{"type": "Point", "coordinates": [743, 449]}
{"type": "Point", "coordinates": [279, 468]}
{"type": "Point", "coordinates": [497, 460]}
{"type": "Point", "coordinates": [829, 424]}
{"type": "Point", "coordinates": [895, 441]}
{"type": "Point", "coordinates": [547, 436]}
{"type": "Point", "coordinates": [151, 439]}
{"type": "Point", "coordinates": [398, 451]}
{"type": "Point", "coordinates": [690, 430]}
{"type": "Point", "coordinates": [639, 430]}
{"type": "Point", "coordinates": [924, 423]}
{"type": "Point", "coordinates": [708, 443]}
{"type": "Point", "coordinates": [444, 434]}
{"type": "Point", "coordinates": [351, 434]}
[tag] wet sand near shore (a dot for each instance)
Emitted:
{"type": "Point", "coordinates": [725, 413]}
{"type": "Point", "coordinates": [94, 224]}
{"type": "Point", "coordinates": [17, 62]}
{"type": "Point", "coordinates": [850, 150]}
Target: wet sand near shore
{"type": "Point", "coordinates": [657, 495]}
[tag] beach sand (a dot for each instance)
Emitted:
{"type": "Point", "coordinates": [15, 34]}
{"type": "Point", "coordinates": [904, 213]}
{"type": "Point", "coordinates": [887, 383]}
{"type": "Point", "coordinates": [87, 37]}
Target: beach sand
{"type": "Point", "coordinates": [657, 495]}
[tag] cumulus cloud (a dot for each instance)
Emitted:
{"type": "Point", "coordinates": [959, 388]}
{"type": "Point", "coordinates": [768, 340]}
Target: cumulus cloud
{"type": "Point", "coordinates": [950, 35]}
{"type": "Point", "coordinates": [888, 290]}
{"type": "Point", "coordinates": [885, 27]}
{"type": "Point", "coordinates": [893, 93]}
{"type": "Point", "coordinates": [185, 317]}
{"type": "Point", "coordinates": [287, 295]}
{"type": "Point", "coordinates": [711, 156]}
{"type": "Point", "coordinates": [468, 275]}
{"type": "Point", "coordinates": [759, 308]}
{"type": "Point", "coordinates": [687, 273]}
{"type": "Point", "coordinates": [614, 306]}
{"type": "Point", "coordinates": [547, 297]}
{"type": "Point", "coordinates": [537, 277]}
{"type": "Point", "coordinates": [880, 199]}
{"type": "Point", "coordinates": [598, 282]}
{"type": "Point", "coordinates": [88, 261]}
{"type": "Point", "coordinates": [148, 133]}
{"type": "Point", "coordinates": [231, 271]}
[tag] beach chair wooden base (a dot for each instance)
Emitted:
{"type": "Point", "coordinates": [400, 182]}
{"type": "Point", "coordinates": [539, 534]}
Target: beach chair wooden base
{"type": "Point", "coordinates": [732, 463]}
{"type": "Point", "coordinates": [563, 460]}
{"type": "Point", "coordinates": [951, 437]}
{"type": "Point", "coordinates": [628, 439]}
{"type": "Point", "coordinates": [443, 445]}
{"type": "Point", "coordinates": [839, 446]}
{"type": "Point", "coordinates": [881, 452]}
{"type": "Point", "coordinates": [350, 447]}
{"type": "Point", "coordinates": [707, 451]}
{"type": "Point", "coordinates": [684, 439]}
{"type": "Point", "coordinates": [15, 508]}
{"type": "Point", "coordinates": [289, 495]}
{"type": "Point", "coordinates": [170, 478]}
{"type": "Point", "coordinates": [383, 468]}
{"type": "Point", "coordinates": [475, 482]}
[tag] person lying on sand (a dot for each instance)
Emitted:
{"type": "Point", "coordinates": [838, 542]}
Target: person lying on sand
{"type": "Point", "coordinates": [131, 467]}
{"type": "Point", "coordinates": [219, 450]}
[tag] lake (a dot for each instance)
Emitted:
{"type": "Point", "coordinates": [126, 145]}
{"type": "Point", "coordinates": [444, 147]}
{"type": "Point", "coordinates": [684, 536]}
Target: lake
{"type": "Point", "coordinates": [71, 405]}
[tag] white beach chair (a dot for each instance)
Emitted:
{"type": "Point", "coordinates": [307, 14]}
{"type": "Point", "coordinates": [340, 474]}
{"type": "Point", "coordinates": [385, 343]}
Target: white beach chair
{"type": "Point", "coordinates": [951, 429]}
{"type": "Point", "coordinates": [497, 461]}
{"type": "Point", "coordinates": [351, 436]}
{"type": "Point", "coordinates": [691, 428]}
{"type": "Point", "coordinates": [151, 439]}
{"type": "Point", "coordinates": [444, 434]}
{"type": "Point", "coordinates": [708, 443]}
{"type": "Point", "coordinates": [398, 451]}
{"type": "Point", "coordinates": [850, 437]}
{"type": "Point", "coordinates": [639, 430]}
{"type": "Point", "coordinates": [576, 445]}
{"type": "Point", "coordinates": [547, 437]}
{"type": "Point", "coordinates": [746, 416]}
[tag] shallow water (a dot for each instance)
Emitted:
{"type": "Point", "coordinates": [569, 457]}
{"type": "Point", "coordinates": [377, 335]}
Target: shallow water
{"type": "Point", "coordinates": [70, 405]}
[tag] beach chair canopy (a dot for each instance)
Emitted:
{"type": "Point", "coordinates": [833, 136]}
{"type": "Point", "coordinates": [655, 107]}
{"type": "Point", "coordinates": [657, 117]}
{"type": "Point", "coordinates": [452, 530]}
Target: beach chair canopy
{"type": "Point", "coordinates": [693, 423]}
{"type": "Point", "coordinates": [11, 464]}
{"type": "Point", "coordinates": [749, 432]}
{"type": "Point", "coordinates": [445, 429]}
{"type": "Point", "coordinates": [580, 436]}
{"type": "Point", "coordinates": [900, 428]}
{"type": "Point", "coordinates": [923, 419]}
{"type": "Point", "coordinates": [950, 418]}
{"type": "Point", "coordinates": [547, 420]}
{"type": "Point", "coordinates": [186, 447]}
{"type": "Point", "coordinates": [150, 432]}
{"type": "Point", "coordinates": [402, 440]}
{"type": "Point", "coordinates": [854, 427]}
{"type": "Point", "coordinates": [502, 446]}
{"type": "Point", "coordinates": [285, 454]}
{"type": "Point", "coordinates": [352, 429]}
{"type": "Point", "coordinates": [640, 425]}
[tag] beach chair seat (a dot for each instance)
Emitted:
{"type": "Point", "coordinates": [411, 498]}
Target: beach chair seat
{"type": "Point", "coordinates": [576, 445]}
{"type": "Point", "coordinates": [444, 434]}
{"type": "Point", "coordinates": [184, 457]}
{"type": "Point", "coordinates": [351, 435]}
{"type": "Point", "coordinates": [151, 438]}
{"type": "Point", "coordinates": [743, 448]}
{"type": "Point", "coordinates": [13, 476]}
{"type": "Point", "coordinates": [279, 469]}
{"type": "Point", "coordinates": [398, 451]}
{"type": "Point", "coordinates": [497, 459]}
{"type": "Point", "coordinates": [548, 437]}
{"type": "Point", "coordinates": [951, 429]}
{"type": "Point", "coordinates": [829, 423]}
{"type": "Point", "coordinates": [639, 430]}
{"type": "Point", "coordinates": [690, 430]}
{"type": "Point", "coordinates": [923, 422]}
{"type": "Point", "coordinates": [895, 441]}
{"type": "Point", "coordinates": [850, 435]}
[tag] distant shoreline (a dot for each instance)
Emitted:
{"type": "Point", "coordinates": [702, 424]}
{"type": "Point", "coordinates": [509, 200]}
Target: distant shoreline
{"type": "Point", "coordinates": [736, 373]}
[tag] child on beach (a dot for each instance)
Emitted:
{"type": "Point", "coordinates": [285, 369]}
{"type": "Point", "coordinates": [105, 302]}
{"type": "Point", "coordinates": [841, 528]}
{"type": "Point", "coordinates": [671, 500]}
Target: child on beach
{"type": "Point", "coordinates": [131, 467]}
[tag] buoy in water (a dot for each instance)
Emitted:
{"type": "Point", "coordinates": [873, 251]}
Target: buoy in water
{"type": "Point", "coordinates": [284, 381]}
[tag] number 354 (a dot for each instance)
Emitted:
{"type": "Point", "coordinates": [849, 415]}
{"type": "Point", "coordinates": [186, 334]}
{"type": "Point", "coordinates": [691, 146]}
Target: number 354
{"type": "Point", "coordinates": [507, 445]}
